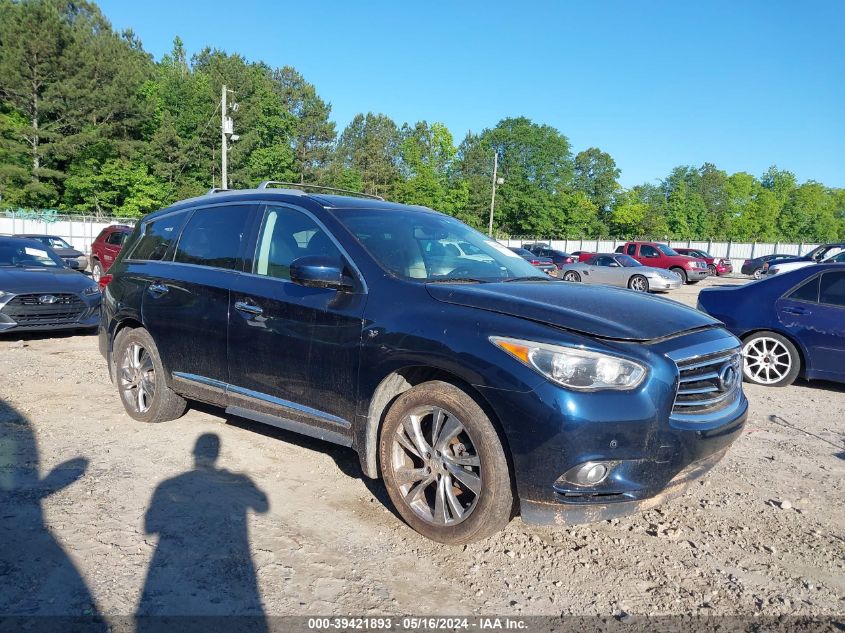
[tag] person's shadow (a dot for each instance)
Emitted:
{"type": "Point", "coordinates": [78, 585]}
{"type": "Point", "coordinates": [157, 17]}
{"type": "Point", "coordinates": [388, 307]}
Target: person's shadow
{"type": "Point", "coordinates": [202, 565]}
{"type": "Point", "coordinates": [37, 577]}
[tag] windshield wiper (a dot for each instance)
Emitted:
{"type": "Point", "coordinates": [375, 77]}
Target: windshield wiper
{"type": "Point", "coordinates": [456, 280]}
{"type": "Point", "coordinates": [528, 278]}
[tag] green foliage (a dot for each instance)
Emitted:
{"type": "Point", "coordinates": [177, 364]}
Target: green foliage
{"type": "Point", "coordinates": [90, 123]}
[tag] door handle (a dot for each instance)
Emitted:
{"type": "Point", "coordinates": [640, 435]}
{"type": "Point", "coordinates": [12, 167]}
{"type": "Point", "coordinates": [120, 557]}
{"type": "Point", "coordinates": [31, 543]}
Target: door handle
{"type": "Point", "coordinates": [796, 311]}
{"type": "Point", "coordinates": [157, 288]}
{"type": "Point", "coordinates": [248, 308]}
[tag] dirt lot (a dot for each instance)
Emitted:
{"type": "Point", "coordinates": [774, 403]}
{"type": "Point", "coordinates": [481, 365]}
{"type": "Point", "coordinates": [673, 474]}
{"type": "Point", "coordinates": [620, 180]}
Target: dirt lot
{"type": "Point", "coordinates": [288, 525]}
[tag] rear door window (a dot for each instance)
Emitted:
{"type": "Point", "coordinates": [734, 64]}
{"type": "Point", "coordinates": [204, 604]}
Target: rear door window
{"type": "Point", "coordinates": [117, 238]}
{"type": "Point", "coordinates": [158, 236]}
{"type": "Point", "coordinates": [808, 291]}
{"type": "Point", "coordinates": [832, 289]}
{"type": "Point", "coordinates": [214, 237]}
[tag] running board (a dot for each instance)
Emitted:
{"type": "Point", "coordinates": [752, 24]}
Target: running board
{"type": "Point", "coordinates": [291, 425]}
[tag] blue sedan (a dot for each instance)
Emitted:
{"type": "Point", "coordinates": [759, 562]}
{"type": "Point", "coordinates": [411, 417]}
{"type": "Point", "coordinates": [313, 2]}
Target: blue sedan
{"type": "Point", "coordinates": [790, 325]}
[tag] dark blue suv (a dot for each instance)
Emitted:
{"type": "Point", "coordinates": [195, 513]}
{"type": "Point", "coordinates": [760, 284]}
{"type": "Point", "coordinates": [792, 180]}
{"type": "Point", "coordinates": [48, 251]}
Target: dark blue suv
{"type": "Point", "coordinates": [474, 385]}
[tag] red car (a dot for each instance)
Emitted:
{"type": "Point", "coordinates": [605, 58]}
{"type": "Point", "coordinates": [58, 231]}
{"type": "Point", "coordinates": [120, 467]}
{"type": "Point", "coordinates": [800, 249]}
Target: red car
{"type": "Point", "coordinates": [718, 266]}
{"type": "Point", "coordinates": [583, 255]}
{"type": "Point", "coordinates": [106, 247]}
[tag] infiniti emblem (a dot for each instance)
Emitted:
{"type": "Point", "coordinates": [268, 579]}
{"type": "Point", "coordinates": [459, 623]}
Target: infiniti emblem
{"type": "Point", "coordinates": [727, 377]}
{"type": "Point", "coordinates": [47, 299]}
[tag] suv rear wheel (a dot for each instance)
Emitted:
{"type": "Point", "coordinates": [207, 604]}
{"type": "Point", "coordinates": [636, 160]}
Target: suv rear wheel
{"type": "Point", "coordinates": [140, 379]}
{"type": "Point", "coordinates": [444, 466]}
{"type": "Point", "coordinates": [96, 270]}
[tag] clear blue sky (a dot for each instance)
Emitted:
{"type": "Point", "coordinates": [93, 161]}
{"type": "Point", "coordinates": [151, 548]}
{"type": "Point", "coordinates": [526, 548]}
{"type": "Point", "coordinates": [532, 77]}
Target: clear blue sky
{"type": "Point", "coordinates": [743, 83]}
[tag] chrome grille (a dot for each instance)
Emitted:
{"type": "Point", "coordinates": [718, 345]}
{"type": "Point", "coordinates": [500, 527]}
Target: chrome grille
{"type": "Point", "coordinates": [30, 309]}
{"type": "Point", "coordinates": [708, 383]}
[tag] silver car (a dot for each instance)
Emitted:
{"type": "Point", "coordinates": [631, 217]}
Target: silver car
{"type": "Point", "coordinates": [616, 269]}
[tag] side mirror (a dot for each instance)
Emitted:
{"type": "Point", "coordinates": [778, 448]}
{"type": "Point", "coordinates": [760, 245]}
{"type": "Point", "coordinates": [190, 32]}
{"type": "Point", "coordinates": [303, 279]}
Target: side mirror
{"type": "Point", "coordinates": [317, 271]}
{"type": "Point", "coordinates": [613, 265]}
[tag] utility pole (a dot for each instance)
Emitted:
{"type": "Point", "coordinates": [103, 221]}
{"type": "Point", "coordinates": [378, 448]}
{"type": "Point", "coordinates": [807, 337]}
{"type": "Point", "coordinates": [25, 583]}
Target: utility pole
{"type": "Point", "coordinates": [227, 131]}
{"type": "Point", "coordinates": [493, 198]}
{"type": "Point", "coordinates": [224, 176]}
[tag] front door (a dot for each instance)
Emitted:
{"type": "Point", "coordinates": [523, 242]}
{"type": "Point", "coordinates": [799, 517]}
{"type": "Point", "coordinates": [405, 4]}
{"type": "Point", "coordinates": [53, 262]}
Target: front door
{"type": "Point", "coordinates": [815, 313]}
{"type": "Point", "coordinates": [294, 351]}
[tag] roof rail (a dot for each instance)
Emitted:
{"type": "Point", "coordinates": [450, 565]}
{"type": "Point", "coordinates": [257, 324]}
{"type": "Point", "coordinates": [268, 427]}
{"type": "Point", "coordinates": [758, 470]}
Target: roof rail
{"type": "Point", "coordinates": [301, 185]}
{"type": "Point", "coordinates": [215, 190]}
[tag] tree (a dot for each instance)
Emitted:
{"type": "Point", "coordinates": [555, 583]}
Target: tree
{"type": "Point", "coordinates": [314, 134]}
{"type": "Point", "coordinates": [596, 175]}
{"type": "Point", "coordinates": [370, 146]}
{"type": "Point", "coordinates": [118, 187]}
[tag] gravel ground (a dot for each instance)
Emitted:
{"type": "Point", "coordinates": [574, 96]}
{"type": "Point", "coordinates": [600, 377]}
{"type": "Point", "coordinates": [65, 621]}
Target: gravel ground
{"type": "Point", "coordinates": [288, 525]}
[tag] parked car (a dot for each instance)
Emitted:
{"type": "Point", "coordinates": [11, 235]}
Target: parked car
{"type": "Point", "coordinates": [816, 255]}
{"type": "Point", "coordinates": [691, 270]}
{"type": "Point", "coordinates": [319, 314]}
{"type": "Point", "coordinates": [105, 249]}
{"type": "Point", "coordinates": [833, 255]}
{"type": "Point", "coordinates": [758, 266]}
{"type": "Point", "coordinates": [559, 258]}
{"type": "Point", "coordinates": [38, 291]}
{"type": "Point", "coordinates": [790, 325]}
{"type": "Point", "coordinates": [71, 257]}
{"type": "Point", "coordinates": [717, 266]}
{"type": "Point", "coordinates": [621, 270]}
{"type": "Point", "coordinates": [583, 255]}
{"type": "Point", "coordinates": [542, 263]}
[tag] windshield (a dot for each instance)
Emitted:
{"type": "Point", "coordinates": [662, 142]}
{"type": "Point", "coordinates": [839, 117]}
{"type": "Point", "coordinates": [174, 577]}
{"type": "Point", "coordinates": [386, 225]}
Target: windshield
{"type": "Point", "coordinates": [53, 242]}
{"type": "Point", "coordinates": [834, 254]}
{"type": "Point", "coordinates": [627, 261]}
{"type": "Point", "coordinates": [426, 246]}
{"type": "Point", "coordinates": [666, 250]}
{"type": "Point", "coordinates": [26, 254]}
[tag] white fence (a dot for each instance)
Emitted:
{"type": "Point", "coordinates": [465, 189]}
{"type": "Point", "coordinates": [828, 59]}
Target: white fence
{"type": "Point", "coordinates": [78, 231]}
{"type": "Point", "coordinates": [81, 231]}
{"type": "Point", "coordinates": [737, 252]}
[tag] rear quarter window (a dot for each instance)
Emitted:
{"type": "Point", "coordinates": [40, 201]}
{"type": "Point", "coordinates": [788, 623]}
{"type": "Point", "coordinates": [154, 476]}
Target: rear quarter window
{"type": "Point", "coordinates": [157, 236]}
{"type": "Point", "coordinates": [832, 288]}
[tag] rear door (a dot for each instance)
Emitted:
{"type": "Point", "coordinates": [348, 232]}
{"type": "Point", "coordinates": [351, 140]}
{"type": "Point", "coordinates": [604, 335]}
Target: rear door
{"type": "Point", "coordinates": [815, 314]}
{"type": "Point", "coordinates": [294, 351]}
{"type": "Point", "coordinates": [186, 300]}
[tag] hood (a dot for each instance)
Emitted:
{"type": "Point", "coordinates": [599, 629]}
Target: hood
{"type": "Point", "coordinates": [21, 280]}
{"type": "Point", "coordinates": [611, 313]}
{"type": "Point", "coordinates": [68, 252]}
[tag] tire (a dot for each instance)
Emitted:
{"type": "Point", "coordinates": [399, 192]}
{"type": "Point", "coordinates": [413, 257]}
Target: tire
{"type": "Point", "coordinates": [713, 271]}
{"type": "Point", "coordinates": [481, 498]}
{"type": "Point", "coordinates": [770, 359]}
{"type": "Point", "coordinates": [141, 380]}
{"type": "Point", "coordinates": [758, 273]}
{"type": "Point", "coordinates": [682, 273]}
{"type": "Point", "coordinates": [638, 283]}
{"type": "Point", "coordinates": [96, 270]}
{"type": "Point", "coordinates": [571, 275]}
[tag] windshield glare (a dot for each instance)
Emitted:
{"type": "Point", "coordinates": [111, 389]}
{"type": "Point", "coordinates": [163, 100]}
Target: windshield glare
{"type": "Point", "coordinates": [627, 261]}
{"type": "Point", "coordinates": [426, 246]}
{"type": "Point", "coordinates": [27, 255]}
{"type": "Point", "coordinates": [666, 250]}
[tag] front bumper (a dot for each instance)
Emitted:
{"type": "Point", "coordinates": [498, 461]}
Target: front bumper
{"type": "Point", "coordinates": [661, 285]}
{"type": "Point", "coordinates": [557, 514]}
{"type": "Point", "coordinates": [697, 274]}
{"type": "Point", "coordinates": [651, 447]}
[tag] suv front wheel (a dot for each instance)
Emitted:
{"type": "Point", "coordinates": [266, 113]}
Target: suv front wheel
{"type": "Point", "coordinates": [140, 379]}
{"type": "Point", "coordinates": [444, 465]}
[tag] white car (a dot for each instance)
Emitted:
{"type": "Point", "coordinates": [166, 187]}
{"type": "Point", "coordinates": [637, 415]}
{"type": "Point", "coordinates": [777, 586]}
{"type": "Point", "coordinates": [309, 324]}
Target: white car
{"type": "Point", "coordinates": [837, 257]}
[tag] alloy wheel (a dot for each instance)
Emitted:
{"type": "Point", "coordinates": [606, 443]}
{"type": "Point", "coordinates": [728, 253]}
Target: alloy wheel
{"type": "Point", "coordinates": [639, 284]}
{"type": "Point", "coordinates": [766, 360]}
{"type": "Point", "coordinates": [571, 276]}
{"type": "Point", "coordinates": [436, 466]}
{"type": "Point", "coordinates": [137, 378]}
{"type": "Point", "coordinates": [758, 274]}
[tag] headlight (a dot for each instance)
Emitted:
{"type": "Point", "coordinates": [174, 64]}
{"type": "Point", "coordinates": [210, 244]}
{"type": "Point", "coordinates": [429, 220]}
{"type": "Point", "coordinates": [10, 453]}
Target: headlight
{"type": "Point", "coordinates": [90, 291]}
{"type": "Point", "coordinates": [572, 367]}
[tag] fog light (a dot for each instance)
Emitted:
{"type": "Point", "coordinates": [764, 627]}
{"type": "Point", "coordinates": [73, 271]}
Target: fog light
{"type": "Point", "coordinates": [589, 474]}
